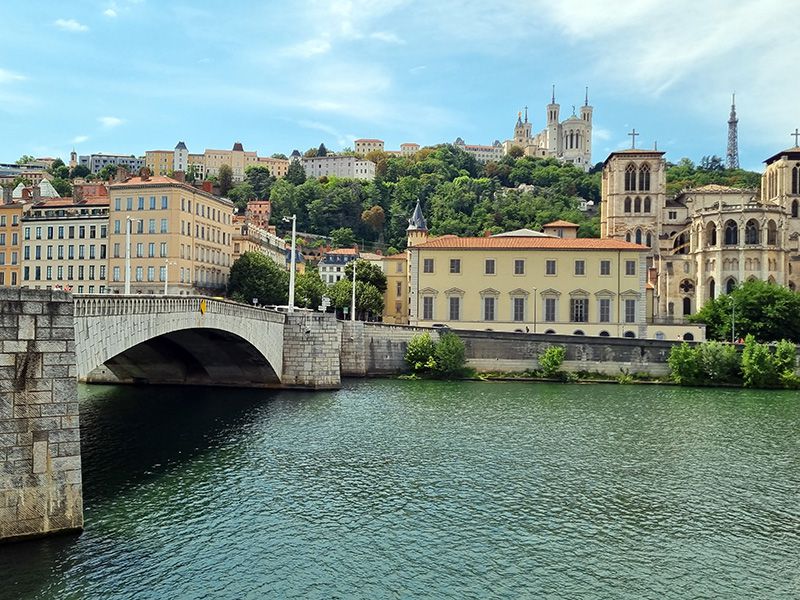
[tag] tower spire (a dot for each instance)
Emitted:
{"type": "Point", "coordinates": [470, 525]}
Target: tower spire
{"type": "Point", "coordinates": [732, 157]}
{"type": "Point", "coordinates": [586, 100]}
{"type": "Point", "coordinates": [553, 99]}
{"type": "Point", "coordinates": [526, 113]}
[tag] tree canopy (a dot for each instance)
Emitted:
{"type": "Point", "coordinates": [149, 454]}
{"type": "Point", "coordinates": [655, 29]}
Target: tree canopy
{"type": "Point", "coordinates": [225, 177]}
{"type": "Point", "coordinates": [254, 275]}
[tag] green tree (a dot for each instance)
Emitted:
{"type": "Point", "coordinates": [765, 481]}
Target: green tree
{"type": "Point", "coordinates": [367, 272]}
{"type": "Point", "coordinates": [419, 353]}
{"type": "Point", "coordinates": [225, 175]}
{"type": "Point", "coordinates": [322, 150]}
{"type": "Point", "coordinates": [241, 194]}
{"type": "Point", "coordinates": [108, 172]}
{"type": "Point", "coordinates": [685, 367]}
{"type": "Point", "coordinates": [309, 289]}
{"type": "Point", "coordinates": [62, 186]}
{"type": "Point", "coordinates": [296, 174]}
{"type": "Point", "coordinates": [766, 311]}
{"type": "Point", "coordinates": [369, 300]}
{"type": "Point", "coordinates": [550, 360]}
{"type": "Point", "coordinates": [449, 356]}
{"type": "Point", "coordinates": [191, 173]}
{"type": "Point", "coordinates": [342, 237]}
{"type": "Point", "coordinates": [25, 158]}
{"type": "Point", "coordinates": [258, 176]}
{"type": "Point", "coordinates": [253, 275]}
{"type": "Point", "coordinates": [280, 155]}
{"type": "Point", "coordinates": [374, 217]}
{"type": "Point", "coordinates": [79, 171]}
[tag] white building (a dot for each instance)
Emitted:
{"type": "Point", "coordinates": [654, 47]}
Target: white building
{"type": "Point", "coordinates": [482, 154]}
{"type": "Point", "coordinates": [366, 145]}
{"type": "Point", "coordinates": [349, 167]}
{"type": "Point", "coordinates": [95, 162]}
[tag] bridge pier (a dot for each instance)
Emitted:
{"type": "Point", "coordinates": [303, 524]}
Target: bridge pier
{"type": "Point", "coordinates": [40, 463]}
{"type": "Point", "coordinates": [311, 343]}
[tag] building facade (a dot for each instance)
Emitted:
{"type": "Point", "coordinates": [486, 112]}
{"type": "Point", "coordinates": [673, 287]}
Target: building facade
{"type": "Point", "coordinates": [482, 154]}
{"type": "Point", "coordinates": [366, 145]}
{"type": "Point", "coordinates": [207, 164]}
{"type": "Point", "coordinates": [179, 235]}
{"type": "Point", "coordinates": [331, 266]}
{"type": "Point", "coordinates": [395, 299]}
{"type": "Point", "coordinates": [95, 162]}
{"type": "Point", "coordinates": [11, 242]}
{"type": "Point", "coordinates": [349, 167]}
{"type": "Point", "coordinates": [569, 140]}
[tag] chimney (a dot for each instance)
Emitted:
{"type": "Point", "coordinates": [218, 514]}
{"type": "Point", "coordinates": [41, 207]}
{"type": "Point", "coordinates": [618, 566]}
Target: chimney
{"type": "Point", "coordinates": [122, 174]}
{"type": "Point", "coordinates": [77, 194]}
{"type": "Point", "coordinates": [487, 233]}
{"type": "Point", "coordinates": [208, 186]}
{"type": "Point", "coordinates": [144, 173]}
{"type": "Point", "coordinates": [179, 176]}
{"type": "Point", "coordinates": [37, 194]}
{"type": "Point", "coordinates": [7, 194]}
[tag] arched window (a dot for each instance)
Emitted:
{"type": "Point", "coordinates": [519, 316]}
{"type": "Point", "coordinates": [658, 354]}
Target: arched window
{"type": "Point", "coordinates": [630, 178]}
{"type": "Point", "coordinates": [629, 334]}
{"type": "Point", "coordinates": [688, 337]}
{"type": "Point", "coordinates": [649, 241]}
{"type": "Point", "coordinates": [772, 233]}
{"type": "Point", "coordinates": [628, 205]}
{"type": "Point", "coordinates": [711, 234]}
{"type": "Point", "coordinates": [730, 285]}
{"type": "Point", "coordinates": [644, 178]}
{"type": "Point", "coordinates": [549, 331]}
{"type": "Point", "coordinates": [794, 208]}
{"type": "Point", "coordinates": [796, 180]}
{"type": "Point", "coordinates": [647, 204]}
{"type": "Point", "coordinates": [731, 233]}
{"type": "Point", "coordinates": [637, 205]}
{"type": "Point", "coordinates": [711, 289]}
{"type": "Point", "coordinates": [751, 232]}
{"type": "Point", "coordinates": [638, 236]}
{"type": "Point", "coordinates": [628, 237]}
{"type": "Point", "coordinates": [680, 246]}
{"type": "Point", "coordinates": [603, 334]}
{"type": "Point", "coordinates": [687, 305]}
{"type": "Point", "coordinates": [578, 332]}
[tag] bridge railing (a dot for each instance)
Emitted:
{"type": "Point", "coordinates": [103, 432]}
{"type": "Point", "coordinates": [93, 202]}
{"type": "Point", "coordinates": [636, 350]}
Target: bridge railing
{"type": "Point", "coordinates": [103, 306]}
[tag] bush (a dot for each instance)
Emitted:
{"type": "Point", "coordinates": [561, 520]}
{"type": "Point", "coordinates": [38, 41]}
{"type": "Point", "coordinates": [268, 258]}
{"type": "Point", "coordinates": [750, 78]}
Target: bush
{"type": "Point", "coordinates": [685, 367]}
{"type": "Point", "coordinates": [758, 365]}
{"type": "Point", "coordinates": [785, 356]}
{"type": "Point", "coordinates": [720, 362]}
{"type": "Point", "coordinates": [550, 360]}
{"type": "Point", "coordinates": [449, 355]}
{"type": "Point", "coordinates": [419, 353]}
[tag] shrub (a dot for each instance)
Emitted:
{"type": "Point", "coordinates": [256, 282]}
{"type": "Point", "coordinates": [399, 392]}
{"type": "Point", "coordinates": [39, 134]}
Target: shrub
{"type": "Point", "coordinates": [720, 362]}
{"type": "Point", "coordinates": [785, 356]}
{"type": "Point", "coordinates": [449, 355]}
{"type": "Point", "coordinates": [758, 365]}
{"type": "Point", "coordinates": [550, 360]}
{"type": "Point", "coordinates": [685, 367]}
{"type": "Point", "coordinates": [419, 353]}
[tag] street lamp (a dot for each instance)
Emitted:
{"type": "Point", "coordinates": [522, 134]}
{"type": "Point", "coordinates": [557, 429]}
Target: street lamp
{"type": "Point", "coordinates": [167, 263]}
{"type": "Point", "coordinates": [733, 320]}
{"type": "Point", "coordinates": [293, 219]}
{"type": "Point", "coordinates": [128, 225]}
{"type": "Point", "coordinates": [353, 301]}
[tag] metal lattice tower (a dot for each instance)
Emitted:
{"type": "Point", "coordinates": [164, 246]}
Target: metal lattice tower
{"type": "Point", "coordinates": [732, 158]}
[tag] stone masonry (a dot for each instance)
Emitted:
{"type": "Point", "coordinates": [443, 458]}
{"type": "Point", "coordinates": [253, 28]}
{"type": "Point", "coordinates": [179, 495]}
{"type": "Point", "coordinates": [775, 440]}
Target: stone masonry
{"type": "Point", "coordinates": [40, 464]}
{"type": "Point", "coordinates": [311, 346]}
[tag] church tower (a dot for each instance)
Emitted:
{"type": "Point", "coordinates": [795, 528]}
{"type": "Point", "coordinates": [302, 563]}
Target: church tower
{"type": "Point", "coordinates": [73, 159]}
{"type": "Point", "coordinates": [586, 117]}
{"type": "Point", "coordinates": [553, 134]}
{"type": "Point", "coordinates": [417, 230]}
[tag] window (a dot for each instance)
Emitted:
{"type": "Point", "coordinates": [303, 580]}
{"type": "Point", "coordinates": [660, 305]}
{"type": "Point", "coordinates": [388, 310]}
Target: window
{"type": "Point", "coordinates": [579, 310]}
{"type": "Point", "coordinates": [151, 273]}
{"type": "Point", "coordinates": [116, 249]}
{"type": "Point", "coordinates": [38, 253]}
{"type": "Point", "coordinates": [164, 202]}
{"type": "Point", "coordinates": [26, 253]}
{"type": "Point", "coordinates": [489, 266]}
{"type": "Point", "coordinates": [604, 306]}
{"type": "Point", "coordinates": [49, 272]}
{"type": "Point", "coordinates": [117, 202]}
{"type": "Point", "coordinates": [454, 305]}
{"type": "Point", "coordinates": [163, 249]}
{"type": "Point", "coordinates": [162, 273]}
{"type": "Point", "coordinates": [638, 236]}
{"type": "Point", "coordinates": [518, 305]}
{"type": "Point", "coordinates": [519, 267]}
{"type": "Point", "coordinates": [751, 232]}
{"type": "Point", "coordinates": [489, 306]}
{"type": "Point", "coordinates": [140, 226]}
{"type": "Point", "coordinates": [550, 267]}
{"type": "Point", "coordinates": [672, 215]}
{"type": "Point", "coordinates": [644, 178]}
{"type": "Point", "coordinates": [49, 233]}
{"type": "Point", "coordinates": [427, 265]}
{"type": "Point", "coordinates": [60, 272]}
{"type": "Point", "coordinates": [151, 250]}
{"type": "Point", "coordinates": [637, 205]}
{"type": "Point", "coordinates": [427, 308]}
{"type": "Point", "coordinates": [152, 202]}
{"type": "Point", "coordinates": [38, 233]}
{"type": "Point", "coordinates": [140, 250]}
{"type": "Point", "coordinates": [71, 252]}
{"type": "Point", "coordinates": [163, 226]}
{"type": "Point", "coordinates": [605, 267]}
{"type": "Point", "coordinates": [141, 203]}
{"type": "Point", "coordinates": [398, 268]}
{"type": "Point", "coordinates": [91, 272]}
{"type": "Point", "coordinates": [27, 234]}
{"type": "Point", "coordinates": [630, 178]}
{"type": "Point", "coordinates": [151, 226]}
{"type": "Point", "coordinates": [70, 272]}
{"type": "Point", "coordinates": [81, 269]}
{"type": "Point", "coordinates": [630, 311]}
{"type": "Point", "coordinates": [455, 265]}
{"type": "Point", "coordinates": [116, 226]}
{"type": "Point", "coordinates": [550, 309]}
{"type": "Point", "coordinates": [102, 271]}
{"type": "Point", "coordinates": [630, 267]}
{"type": "Point", "coordinates": [580, 267]}
{"type": "Point", "coordinates": [796, 179]}
{"type": "Point", "coordinates": [731, 233]}
{"type": "Point", "coordinates": [129, 203]}
{"type": "Point", "coordinates": [139, 273]}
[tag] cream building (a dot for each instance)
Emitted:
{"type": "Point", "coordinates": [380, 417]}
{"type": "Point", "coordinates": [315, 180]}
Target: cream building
{"type": "Point", "coordinates": [207, 164]}
{"type": "Point", "coordinates": [11, 240]}
{"type": "Point", "coordinates": [65, 245]}
{"type": "Point", "coordinates": [179, 234]}
{"type": "Point", "coordinates": [703, 242]}
{"type": "Point", "coordinates": [482, 154]}
{"type": "Point", "coordinates": [409, 149]}
{"type": "Point", "coordinates": [395, 299]}
{"type": "Point", "coordinates": [349, 167]}
{"type": "Point", "coordinates": [365, 145]}
{"type": "Point", "coordinates": [569, 140]}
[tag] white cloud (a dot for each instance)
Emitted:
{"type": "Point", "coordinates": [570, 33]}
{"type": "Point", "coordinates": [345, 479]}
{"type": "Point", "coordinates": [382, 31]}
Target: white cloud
{"type": "Point", "coordinates": [341, 139]}
{"type": "Point", "coordinates": [110, 122]}
{"type": "Point", "coordinates": [70, 25]}
{"type": "Point", "coordinates": [386, 36]}
{"type": "Point", "coordinates": [9, 76]}
{"type": "Point", "coordinates": [308, 49]}
{"type": "Point", "coordinates": [79, 139]}
{"type": "Point", "coordinates": [110, 13]}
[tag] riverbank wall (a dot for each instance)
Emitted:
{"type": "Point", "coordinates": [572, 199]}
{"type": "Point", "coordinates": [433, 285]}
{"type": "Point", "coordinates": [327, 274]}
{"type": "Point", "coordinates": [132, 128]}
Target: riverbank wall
{"type": "Point", "coordinates": [40, 462]}
{"type": "Point", "coordinates": [375, 349]}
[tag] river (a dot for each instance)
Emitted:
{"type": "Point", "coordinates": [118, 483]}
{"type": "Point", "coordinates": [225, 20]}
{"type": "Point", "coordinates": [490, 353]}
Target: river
{"type": "Point", "coordinates": [412, 489]}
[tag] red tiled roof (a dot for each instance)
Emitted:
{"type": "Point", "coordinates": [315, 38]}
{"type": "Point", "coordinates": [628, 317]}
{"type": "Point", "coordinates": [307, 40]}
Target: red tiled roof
{"type": "Point", "coordinates": [59, 202]}
{"type": "Point", "coordinates": [560, 223]}
{"type": "Point", "coordinates": [370, 140]}
{"type": "Point", "coordinates": [398, 256]}
{"type": "Point", "coordinates": [152, 180]}
{"type": "Point", "coordinates": [528, 243]}
{"type": "Point", "coordinates": [343, 251]}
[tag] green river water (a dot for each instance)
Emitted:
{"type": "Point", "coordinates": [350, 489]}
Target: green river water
{"type": "Point", "coordinates": [416, 489]}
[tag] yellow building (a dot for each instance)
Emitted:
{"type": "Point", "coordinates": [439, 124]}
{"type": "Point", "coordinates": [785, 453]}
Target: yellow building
{"type": "Point", "coordinates": [179, 234]}
{"type": "Point", "coordinates": [527, 281]}
{"type": "Point", "coordinates": [160, 162]}
{"type": "Point", "coordinates": [395, 300]}
{"type": "Point", "coordinates": [10, 243]}
{"type": "Point", "coordinates": [164, 162]}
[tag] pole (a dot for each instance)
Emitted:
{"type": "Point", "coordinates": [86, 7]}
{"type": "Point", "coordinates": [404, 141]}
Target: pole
{"type": "Point", "coordinates": [534, 309]}
{"type": "Point", "coordinates": [128, 256]}
{"type": "Point", "coordinates": [353, 301]}
{"type": "Point", "coordinates": [292, 265]}
{"type": "Point", "coordinates": [166, 274]}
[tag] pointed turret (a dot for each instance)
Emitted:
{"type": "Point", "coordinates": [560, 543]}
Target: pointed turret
{"type": "Point", "coordinates": [417, 230]}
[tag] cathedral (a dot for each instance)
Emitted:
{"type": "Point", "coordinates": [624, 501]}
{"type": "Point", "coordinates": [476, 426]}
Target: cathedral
{"type": "Point", "coordinates": [704, 241]}
{"type": "Point", "coordinates": [569, 140]}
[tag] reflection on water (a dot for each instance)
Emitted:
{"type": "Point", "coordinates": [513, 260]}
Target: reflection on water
{"type": "Point", "coordinates": [390, 489]}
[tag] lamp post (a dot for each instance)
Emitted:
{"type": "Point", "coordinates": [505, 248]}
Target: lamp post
{"type": "Point", "coordinates": [167, 263]}
{"type": "Point", "coordinates": [534, 309]}
{"type": "Point", "coordinates": [128, 225]}
{"type": "Point", "coordinates": [733, 320]}
{"type": "Point", "coordinates": [353, 301]}
{"type": "Point", "coordinates": [293, 219]}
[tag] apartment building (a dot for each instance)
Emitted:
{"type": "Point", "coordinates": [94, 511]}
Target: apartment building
{"type": "Point", "coordinates": [10, 241]}
{"type": "Point", "coordinates": [95, 162]}
{"type": "Point", "coordinates": [395, 299]}
{"type": "Point", "coordinates": [365, 145]}
{"type": "Point", "coordinates": [348, 167]}
{"type": "Point", "coordinates": [207, 164]}
{"type": "Point", "coordinates": [179, 236]}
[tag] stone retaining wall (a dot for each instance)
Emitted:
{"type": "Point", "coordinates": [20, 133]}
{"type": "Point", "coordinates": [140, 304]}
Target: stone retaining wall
{"type": "Point", "coordinates": [311, 346]}
{"type": "Point", "coordinates": [40, 463]}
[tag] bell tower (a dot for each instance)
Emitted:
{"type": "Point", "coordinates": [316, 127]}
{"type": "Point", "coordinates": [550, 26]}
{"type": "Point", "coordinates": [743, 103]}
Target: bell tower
{"type": "Point", "coordinates": [553, 136]}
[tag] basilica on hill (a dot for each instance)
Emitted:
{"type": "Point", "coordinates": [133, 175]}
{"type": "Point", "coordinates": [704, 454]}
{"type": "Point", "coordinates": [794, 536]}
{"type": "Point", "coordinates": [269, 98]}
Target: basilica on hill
{"type": "Point", "coordinates": [704, 241]}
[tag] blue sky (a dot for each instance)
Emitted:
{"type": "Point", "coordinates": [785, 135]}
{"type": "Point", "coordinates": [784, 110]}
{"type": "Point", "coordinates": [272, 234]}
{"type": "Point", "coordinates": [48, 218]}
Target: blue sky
{"type": "Point", "coordinates": [125, 76]}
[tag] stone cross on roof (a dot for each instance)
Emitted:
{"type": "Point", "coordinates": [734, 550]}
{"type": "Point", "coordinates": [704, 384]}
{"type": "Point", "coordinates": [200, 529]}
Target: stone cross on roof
{"type": "Point", "coordinates": [633, 135]}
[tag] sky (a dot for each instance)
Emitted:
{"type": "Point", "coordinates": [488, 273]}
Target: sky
{"type": "Point", "coordinates": [126, 76]}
